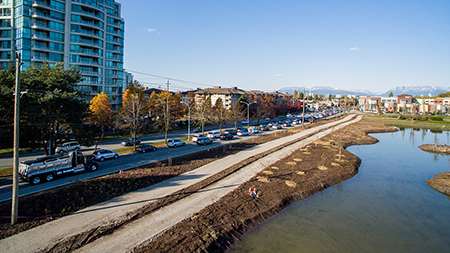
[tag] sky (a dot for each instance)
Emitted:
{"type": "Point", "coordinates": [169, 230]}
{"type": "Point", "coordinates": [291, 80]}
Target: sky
{"type": "Point", "coordinates": [266, 44]}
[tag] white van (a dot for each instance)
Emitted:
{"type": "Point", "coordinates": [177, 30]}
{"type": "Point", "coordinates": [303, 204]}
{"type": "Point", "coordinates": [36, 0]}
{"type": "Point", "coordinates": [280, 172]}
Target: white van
{"type": "Point", "coordinates": [68, 147]}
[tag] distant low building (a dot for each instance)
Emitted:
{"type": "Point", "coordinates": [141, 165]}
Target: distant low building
{"type": "Point", "coordinates": [369, 103]}
{"type": "Point", "coordinates": [389, 104]}
{"type": "Point", "coordinates": [434, 105]}
{"type": "Point", "coordinates": [229, 96]}
{"type": "Point", "coordinates": [405, 104]}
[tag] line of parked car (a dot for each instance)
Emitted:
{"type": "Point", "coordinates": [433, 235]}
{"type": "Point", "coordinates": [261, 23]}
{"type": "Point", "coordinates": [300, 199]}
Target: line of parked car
{"type": "Point", "coordinates": [70, 159]}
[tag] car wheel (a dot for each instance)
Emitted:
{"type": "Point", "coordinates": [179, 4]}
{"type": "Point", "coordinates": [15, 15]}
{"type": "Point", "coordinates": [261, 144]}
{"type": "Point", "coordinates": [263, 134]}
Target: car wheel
{"type": "Point", "coordinates": [102, 159]}
{"type": "Point", "coordinates": [116, 156]}
{"type": "Point", "coordinates": [93, 167]}
{"type": "Point", "coordinates": [35, 180]}
{"type": "Point", "coordinates": [143, 151]}
{"type": "Point", "coordinates": [49, 177]}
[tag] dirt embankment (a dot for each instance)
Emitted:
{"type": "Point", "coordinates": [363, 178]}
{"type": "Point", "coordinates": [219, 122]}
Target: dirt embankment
{"type": "Point", "coordinates": [441, 183]}
{"type": "Point", "coordinates": [305, 172]}
{"type": "Point", "coordinates": [40, 208]}
{"type": "Point", "coordinates": [435, 148]}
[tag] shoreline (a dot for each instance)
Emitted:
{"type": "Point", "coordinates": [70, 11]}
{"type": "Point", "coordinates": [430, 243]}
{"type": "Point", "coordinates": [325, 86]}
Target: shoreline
{"type": "Point", "coordinates": [307, 171]}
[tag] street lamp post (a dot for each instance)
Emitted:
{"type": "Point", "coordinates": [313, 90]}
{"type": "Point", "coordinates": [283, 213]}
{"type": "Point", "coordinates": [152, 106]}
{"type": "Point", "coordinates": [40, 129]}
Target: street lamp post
{"type": "Point", "coordinates": [189, 119]}
{"type": "Point", "coordinates": [15, 188]}
{"type": "Point", "coordinates": [248, 110]}
{"type": "Point", "coordinates": [304, 105]}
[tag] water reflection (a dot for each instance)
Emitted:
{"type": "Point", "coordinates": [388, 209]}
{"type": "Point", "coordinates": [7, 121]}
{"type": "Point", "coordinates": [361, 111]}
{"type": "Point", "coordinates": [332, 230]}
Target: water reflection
{"type": "Point", "coordinates": [386, 207]}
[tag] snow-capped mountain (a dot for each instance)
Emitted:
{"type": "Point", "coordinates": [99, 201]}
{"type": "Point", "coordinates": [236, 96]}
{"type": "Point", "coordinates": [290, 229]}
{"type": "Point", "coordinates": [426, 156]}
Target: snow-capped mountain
{"type": "Point", "coordinates": [417, 90]}
{"type": "Point", "coordinates": [410, 90]}
{"type": "Point", "coordinates": [324, 90]}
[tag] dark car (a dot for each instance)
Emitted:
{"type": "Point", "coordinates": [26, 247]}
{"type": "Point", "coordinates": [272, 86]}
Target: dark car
{"type": "Point", "coordinates": [144, 148]}
{"type": "Point", "coordinates": [226, 136]}
{"type": "Point", "coordinates": [131, 142]}
{"type": "Point", "coordinates": [232, 131]}
{"type": "Point", "coordinates": [204, 141]}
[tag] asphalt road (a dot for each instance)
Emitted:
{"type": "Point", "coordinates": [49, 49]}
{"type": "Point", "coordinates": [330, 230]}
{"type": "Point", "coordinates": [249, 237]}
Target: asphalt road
{"type": "Point", "coordinates": [124, 162]}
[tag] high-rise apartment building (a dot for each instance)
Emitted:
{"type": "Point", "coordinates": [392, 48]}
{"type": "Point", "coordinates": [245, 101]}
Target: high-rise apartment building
{"type": "Point", "coordinates": [84, 34]}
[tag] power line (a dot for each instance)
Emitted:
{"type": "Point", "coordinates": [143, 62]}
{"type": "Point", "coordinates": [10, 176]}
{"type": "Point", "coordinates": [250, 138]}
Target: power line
{"type": "Point", "coordinates": [170, 78]}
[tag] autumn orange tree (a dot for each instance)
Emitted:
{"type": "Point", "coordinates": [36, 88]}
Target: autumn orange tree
{"type": "Point", "coordinates": [100, 112]}
{"type": "Point", "coordinates": [165, 108]}
{"type": "Point", "coordinates": [134, 104]}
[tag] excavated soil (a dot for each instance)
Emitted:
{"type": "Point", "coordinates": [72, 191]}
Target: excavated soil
{"type": "Point", "coordinates": [309, 170]}
{"type": "Point", "coordinates": [43, 207]}
{"type": "Point", "coordinates": [441, 183]}
{"type": "Point", "coordinates": [435, 148]}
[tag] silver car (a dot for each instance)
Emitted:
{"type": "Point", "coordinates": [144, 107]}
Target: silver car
{"type": "Point", "coordinates": [174, 143]}
{"type": "Point", "coordinates": [68, 147]}
{"type": "Point", "coordinates": [103, 154]}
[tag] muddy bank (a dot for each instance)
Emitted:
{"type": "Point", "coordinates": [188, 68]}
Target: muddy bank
{"type": "Point", "coordinates": [435, 148]}
{"type": "Point", "coordinates": [305, 172]}
{"type": "Point", "coordinates": [441, 183]}
{"type": "Point", "coordinates": [44, 207]}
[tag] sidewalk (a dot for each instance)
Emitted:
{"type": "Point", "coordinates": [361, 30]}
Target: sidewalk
{"type": "Point", "coordinates": [142, 230]}
{"type": "Point", "coordinates": [115, 210]}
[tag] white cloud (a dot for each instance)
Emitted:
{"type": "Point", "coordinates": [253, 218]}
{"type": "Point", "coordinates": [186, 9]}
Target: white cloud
{"type": "Point", "coordinates": [354, 49]}
{"type": "Point", "coordinates": [278, 75]}
{"type": "Point", "coordinates": [151, 30]}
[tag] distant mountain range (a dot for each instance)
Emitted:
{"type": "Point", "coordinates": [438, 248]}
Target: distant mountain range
{"type": "Point", "coordinates": [410, 90]}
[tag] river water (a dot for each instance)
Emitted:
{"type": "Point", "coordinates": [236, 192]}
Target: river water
{"type": "Point", "coordinates": [386, 207]}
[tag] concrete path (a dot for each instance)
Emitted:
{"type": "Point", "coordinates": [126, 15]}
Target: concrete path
{"type": "Point", "coordinates": [49, 234]}
{"type": "Point", "coordinates": [146, 228]}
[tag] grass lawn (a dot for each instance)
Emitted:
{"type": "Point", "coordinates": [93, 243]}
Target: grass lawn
{"type": "Point", "coordinates": [9, 151]}
{"type": "Point", "coordinates": [409, 123]}
{"type": "Point", "coordinates": [4, 172]}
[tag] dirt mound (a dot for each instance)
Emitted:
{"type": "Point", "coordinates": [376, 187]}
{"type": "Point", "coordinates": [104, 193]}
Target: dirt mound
{"type": "Point", "coordinates": [435, 148]}
{"type": "Point", "coordinates": [441, 183]}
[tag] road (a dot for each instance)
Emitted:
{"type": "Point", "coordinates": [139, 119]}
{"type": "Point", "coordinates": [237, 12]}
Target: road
{"type": "Point", "coordinates": [116, 209]}
{"type": "Point", "coordinates": [107, 144]}
{"type": "Point", "coordinates": [125, 162]}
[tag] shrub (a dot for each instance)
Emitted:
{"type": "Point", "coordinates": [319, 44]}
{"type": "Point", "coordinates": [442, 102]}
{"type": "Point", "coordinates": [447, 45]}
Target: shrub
{"type": "Point", "coordinates": [437, 118]}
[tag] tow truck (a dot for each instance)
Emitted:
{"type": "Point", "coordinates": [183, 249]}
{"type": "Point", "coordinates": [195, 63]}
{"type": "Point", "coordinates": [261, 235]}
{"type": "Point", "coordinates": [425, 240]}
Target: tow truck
{"type": "Point", "coordinates": [47, 168]}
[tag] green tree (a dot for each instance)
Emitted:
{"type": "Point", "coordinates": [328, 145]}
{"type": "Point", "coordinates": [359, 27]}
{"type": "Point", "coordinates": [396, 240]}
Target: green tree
{"type": "Point", "coordinates": [444, 95]}
{"type": "Point", "coordinates": [52, 108]}
{"type": "Point", "coordinates": [391, 94]}
{"type": "Point", "coordinates": [219, 112]}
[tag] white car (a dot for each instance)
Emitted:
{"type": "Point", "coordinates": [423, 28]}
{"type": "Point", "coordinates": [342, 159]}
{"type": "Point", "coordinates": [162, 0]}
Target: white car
{"type": "Point", "coordinates": [103, 154]}
{"type": "Point", "coordinates": [174, 143]}
{"type": "Point", "coordinates": [68, 147]}
{"type": "Point", "coordinates": [213, 134]}
{"type": "Point", "coordinates": [195, 137]}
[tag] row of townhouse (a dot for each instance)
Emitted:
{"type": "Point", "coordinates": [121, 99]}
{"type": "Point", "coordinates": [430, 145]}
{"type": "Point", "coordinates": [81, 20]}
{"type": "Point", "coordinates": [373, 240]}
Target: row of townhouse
{"type": "Point", "coordinates": [403, 104]}
{"type": "Point", "coordinates": [231, 96]}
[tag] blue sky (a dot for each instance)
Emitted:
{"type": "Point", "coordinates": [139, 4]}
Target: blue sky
{"type": "Point", "coordinates": [267, 44]}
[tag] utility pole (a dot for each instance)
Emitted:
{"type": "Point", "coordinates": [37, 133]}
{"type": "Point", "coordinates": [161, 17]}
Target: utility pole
{"type": "Point", "coordinates": [15, 188]}
{"type": "Point", "coordinates": [189, 118]}
{"type": "Point", "coordinates": [167, 112]}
